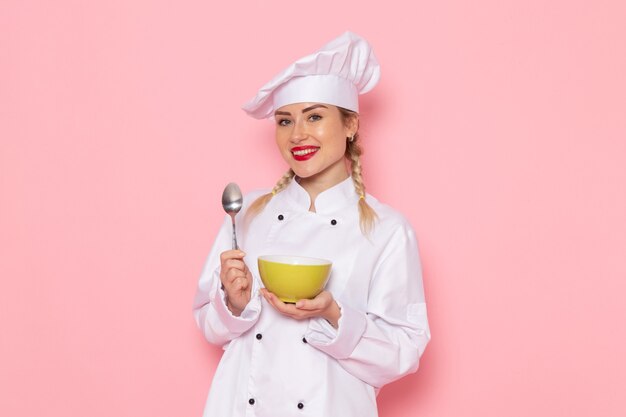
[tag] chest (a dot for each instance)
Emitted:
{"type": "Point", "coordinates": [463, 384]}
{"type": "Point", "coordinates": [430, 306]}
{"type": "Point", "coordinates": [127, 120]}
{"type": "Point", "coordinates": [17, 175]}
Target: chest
{"type": "Point", "coordinates": [335, 237]}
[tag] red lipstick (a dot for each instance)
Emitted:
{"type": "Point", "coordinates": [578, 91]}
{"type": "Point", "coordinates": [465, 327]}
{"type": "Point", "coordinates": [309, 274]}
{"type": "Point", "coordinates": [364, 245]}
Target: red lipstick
{"type": "Point", "coordinates": [304, 152]}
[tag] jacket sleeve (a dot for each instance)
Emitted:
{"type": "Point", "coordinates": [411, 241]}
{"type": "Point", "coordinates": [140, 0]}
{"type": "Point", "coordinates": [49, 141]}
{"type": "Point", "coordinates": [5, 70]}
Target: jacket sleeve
{"type": "Point", "coordinates": [212, 315]}
{"type": "Point", "coordinates": [384, 342]}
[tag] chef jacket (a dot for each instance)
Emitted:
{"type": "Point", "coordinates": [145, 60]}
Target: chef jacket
{"type": "Point", "coordinates": [274, 365]}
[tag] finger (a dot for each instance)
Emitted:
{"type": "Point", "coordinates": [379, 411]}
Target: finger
{"type": "Point", "coordinates": [272, 299]}
{"type": "Point", "coordinates": [234, 263]}
{"type": "Point", "coordinates": [231, 254]}
{"type": "Point", "coordinates": [305, 304]}
{"type": "Point", "coordinates": [268, 296]}
{"type": "Point", "coordinates": [320, 302]}
{"type": "Point", "coordinates": [233, 274]}
{"type": "Point", "coordinates": [288, 309]}
{"type": "Point", "coordinates": [240, 284]}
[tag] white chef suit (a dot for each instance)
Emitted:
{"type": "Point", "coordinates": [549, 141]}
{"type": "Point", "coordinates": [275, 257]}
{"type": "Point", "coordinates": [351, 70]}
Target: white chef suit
{"type": "Point", "coordinates": [277, 366]}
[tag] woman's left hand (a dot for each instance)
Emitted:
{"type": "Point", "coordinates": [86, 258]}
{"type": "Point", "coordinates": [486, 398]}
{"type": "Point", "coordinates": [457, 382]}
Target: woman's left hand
{"type": "Point", "coordinates": [323, 305]}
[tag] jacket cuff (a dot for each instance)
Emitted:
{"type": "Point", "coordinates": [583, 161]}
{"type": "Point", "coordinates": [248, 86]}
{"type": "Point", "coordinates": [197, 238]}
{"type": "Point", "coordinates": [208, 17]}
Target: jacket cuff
{"type": "Point", "coordinates": [341, 342]}
{"type": "Point", "coordinates": [248, 316]}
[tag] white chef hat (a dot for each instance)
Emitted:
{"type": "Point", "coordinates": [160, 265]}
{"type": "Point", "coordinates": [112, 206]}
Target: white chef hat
{"type": "Point", "coordinates": [336, 74]}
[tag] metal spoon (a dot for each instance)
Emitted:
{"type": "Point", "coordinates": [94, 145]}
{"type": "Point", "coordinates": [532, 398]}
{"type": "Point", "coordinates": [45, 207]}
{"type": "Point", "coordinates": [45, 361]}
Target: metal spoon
{"type": "Point", "coordinates": [232, 200]}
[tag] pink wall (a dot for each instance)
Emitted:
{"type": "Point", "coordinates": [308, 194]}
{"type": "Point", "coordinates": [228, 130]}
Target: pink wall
{"type": "Point", "coordinates": [498, 128]}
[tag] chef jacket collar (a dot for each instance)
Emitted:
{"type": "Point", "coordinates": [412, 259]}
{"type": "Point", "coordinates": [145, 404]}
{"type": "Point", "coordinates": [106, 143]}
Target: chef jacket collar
{"type": "Point", "coordinates": [329, 201]}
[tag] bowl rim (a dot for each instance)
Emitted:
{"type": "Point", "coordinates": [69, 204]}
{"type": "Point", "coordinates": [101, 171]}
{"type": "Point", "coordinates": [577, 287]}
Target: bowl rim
{"type": "Point", "coordinates": [316, 261]}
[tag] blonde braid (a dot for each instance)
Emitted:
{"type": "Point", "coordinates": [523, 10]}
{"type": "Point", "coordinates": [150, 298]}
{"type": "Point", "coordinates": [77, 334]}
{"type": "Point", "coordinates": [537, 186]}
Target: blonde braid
{"type": "Point", "coordinates": [259, 204]}
{"type": "Point", "coordinates": [367, 215]}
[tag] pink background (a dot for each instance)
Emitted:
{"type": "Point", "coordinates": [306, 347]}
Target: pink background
{"type": "Point", "coordinates": [499, 129]}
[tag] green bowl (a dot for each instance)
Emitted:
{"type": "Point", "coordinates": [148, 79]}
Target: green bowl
{"type": "Point", "coordinates": [293, 278]}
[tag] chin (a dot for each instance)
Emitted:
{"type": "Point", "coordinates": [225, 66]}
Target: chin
{"type": "Point", "coordinates": [303, 173]}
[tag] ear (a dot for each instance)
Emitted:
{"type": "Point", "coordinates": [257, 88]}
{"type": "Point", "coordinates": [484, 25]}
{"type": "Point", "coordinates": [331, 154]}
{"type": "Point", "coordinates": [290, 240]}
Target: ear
{"type": "Point", "coordinates": [352, 125]}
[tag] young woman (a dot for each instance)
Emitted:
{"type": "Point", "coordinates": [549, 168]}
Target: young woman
{"type": "Point", "coordinates": [330, 355]}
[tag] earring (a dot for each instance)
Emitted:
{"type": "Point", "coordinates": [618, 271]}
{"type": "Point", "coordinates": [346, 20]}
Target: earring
{"type": "Point", "coordinates": [351, 138]}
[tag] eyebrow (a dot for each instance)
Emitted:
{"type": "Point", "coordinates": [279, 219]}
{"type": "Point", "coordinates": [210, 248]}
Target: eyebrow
{"type": "Point", "coordinates": [286, 113]}
{"type": "Point", "coordinates": [315, 106]}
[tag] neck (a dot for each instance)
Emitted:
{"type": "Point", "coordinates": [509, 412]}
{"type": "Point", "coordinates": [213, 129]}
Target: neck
{"type": "Point", "coordinates": [318, 183]}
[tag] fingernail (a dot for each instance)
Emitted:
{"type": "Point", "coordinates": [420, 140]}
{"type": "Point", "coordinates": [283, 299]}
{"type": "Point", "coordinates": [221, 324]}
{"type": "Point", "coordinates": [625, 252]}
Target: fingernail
{"type": "Point", "coordinates": [299, 304]}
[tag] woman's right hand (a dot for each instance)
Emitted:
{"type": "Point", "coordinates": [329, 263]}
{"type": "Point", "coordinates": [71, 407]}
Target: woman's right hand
{"type": "Point", "coordinates": [236, 280]}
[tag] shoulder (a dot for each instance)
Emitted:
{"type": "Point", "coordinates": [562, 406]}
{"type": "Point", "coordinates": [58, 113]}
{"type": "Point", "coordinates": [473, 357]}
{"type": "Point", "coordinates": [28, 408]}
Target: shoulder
{"type": "Point", "coordinates": [393, 234]}
{"type": "Point", "coordinates": [251, 197]}
{"type": "Point", "coordinates": [389, 220]}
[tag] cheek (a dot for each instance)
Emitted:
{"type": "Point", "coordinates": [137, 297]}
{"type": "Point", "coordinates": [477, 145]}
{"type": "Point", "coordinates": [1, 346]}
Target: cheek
{"type": "Point", "coordinates": [336, 139]}
{"type": "Point", "coordinates": [330, 134]}
{"type": "Point", "coordinates": [281, 141]}
{"type": "Point", "coordinates": [341, 148]}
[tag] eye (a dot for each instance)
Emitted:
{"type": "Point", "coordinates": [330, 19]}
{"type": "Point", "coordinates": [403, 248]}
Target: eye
{"type": "Point", "coordinates": [283, 122]}
{"type": "Point", "coordinates": [315, 117]}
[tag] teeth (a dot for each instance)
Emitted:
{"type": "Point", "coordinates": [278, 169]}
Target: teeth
{"type": "Point", "coordinates": [305, 151]}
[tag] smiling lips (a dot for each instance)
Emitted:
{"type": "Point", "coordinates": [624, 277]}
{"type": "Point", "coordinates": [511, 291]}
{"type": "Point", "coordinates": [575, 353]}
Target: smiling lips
{"type": "Point", "coordinates": [302, 153]}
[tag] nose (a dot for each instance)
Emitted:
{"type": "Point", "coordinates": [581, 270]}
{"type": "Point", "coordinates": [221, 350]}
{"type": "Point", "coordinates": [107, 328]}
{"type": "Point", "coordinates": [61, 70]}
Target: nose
{"type": "Point", "coordinates": [298, 133]}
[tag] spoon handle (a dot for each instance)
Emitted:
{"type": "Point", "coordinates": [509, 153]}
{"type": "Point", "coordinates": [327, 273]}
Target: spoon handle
{"type": "Point", "coordinates": [234, 234]}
